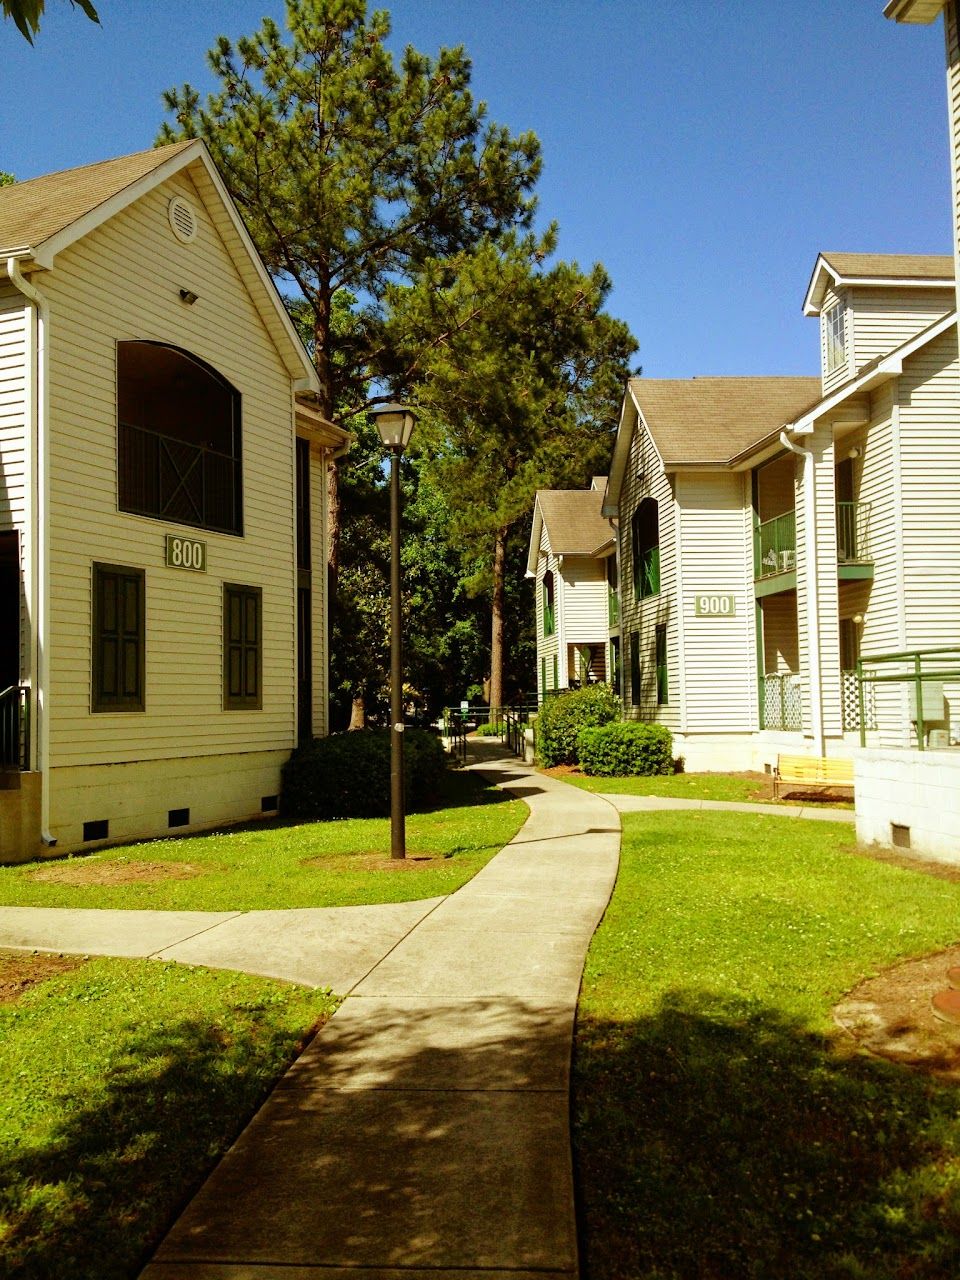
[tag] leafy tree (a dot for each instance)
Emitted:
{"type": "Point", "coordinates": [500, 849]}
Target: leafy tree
{"type": "Point", "coordinates": [523, 397]}
{"type": "Point", "coordinates": [353, 171]}
{"type": "Point", "coordinates": [6, 179]}
{"type": "Point", "coordinates": [26, 14]}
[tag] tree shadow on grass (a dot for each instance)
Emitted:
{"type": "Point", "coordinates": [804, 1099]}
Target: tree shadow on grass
{"type": "Point", "coordinates": [719, 1140]}
{"type": "Point", "coordinates": [86, 1203]}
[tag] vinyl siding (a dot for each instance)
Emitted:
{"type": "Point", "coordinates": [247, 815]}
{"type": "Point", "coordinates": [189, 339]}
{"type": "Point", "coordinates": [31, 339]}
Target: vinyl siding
{"type": "Point", "coordinates": [13, 409]}
{"type": "Point", "coordinates": [585, 609]}
{"type": "Point", "coordinates": [930, 467]}
{"type": "Point", "coordinates": [781, 650]}
{"type": "Point", "coordinates": [952, 37]}
{"type": "Point", "coordinates": [719, 654]}
{"type": "Point", "coordinates": [833, 377]}
{"type": "Point", "coordinates": [645, 615]}
{"type": "Point", "coordinates": [14, 462]}
{"type": "Point", "coordinates": [548, 647]}
{"type": "Point", "coordinates": [318, 593]}
{"type": "Point", "coordinates": [122, 282]}
{"type": "Point", "coordinates": [886, 318]}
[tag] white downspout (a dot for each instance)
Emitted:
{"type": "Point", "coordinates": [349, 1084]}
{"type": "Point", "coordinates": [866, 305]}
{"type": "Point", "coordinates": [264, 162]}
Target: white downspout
{"type": "Point", "coordinates": [813, 606]}
{"type": "Point", "coordinates": [38, 402]}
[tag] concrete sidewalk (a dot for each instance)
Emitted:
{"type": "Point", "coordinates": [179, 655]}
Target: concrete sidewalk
{"type": "Point", "coordinates": [425, 1131]}
{"type": "Point", "coordinates": [651, 804]}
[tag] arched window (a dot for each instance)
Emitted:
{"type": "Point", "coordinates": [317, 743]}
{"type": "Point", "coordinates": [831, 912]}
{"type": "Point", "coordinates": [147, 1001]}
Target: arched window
{"type": "Point", "coordinates": [549, 617]}
{"type": "Point", "coordinates": [646, 549]}
{"type": "Point", "coordinates": [178, 438]}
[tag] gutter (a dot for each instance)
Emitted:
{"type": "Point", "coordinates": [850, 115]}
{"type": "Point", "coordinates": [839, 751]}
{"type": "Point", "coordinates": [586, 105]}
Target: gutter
{"type": "Point", "coordinates": [813, 597]}
{"type": "Point", "coordinates": [38, 412]}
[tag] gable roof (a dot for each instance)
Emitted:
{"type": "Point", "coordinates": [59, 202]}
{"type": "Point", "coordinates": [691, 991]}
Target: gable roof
{"type": "Point", "coordinates": [33, 212]}
{"type": "Point", "coordinates": [916, 270]}
{"type": "Point", "coordinates": [711, 420]}
{"type": "Point", "coordinates": [573, 522]}
{"type": "Point", "coordinates": [41, 217]}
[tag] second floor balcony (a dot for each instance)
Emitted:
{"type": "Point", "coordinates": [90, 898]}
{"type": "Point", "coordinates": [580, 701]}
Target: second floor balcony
{"type": "Point", "coordinates": [775, 543]}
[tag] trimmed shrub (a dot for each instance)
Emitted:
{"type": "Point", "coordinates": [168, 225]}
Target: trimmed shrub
{"type": "Point", "coordinates": [489, 730]}
{"type": "Point", "coordinates": [626, 749]}
{"type": "Point", "coordinates": [348, 774]}
{"type": "Point", "coordinates": [563, 715]}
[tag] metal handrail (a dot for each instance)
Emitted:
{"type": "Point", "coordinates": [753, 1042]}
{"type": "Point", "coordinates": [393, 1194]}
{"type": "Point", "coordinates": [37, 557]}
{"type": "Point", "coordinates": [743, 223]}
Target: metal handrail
{"type": "Point", "coordinates": [947, 667]}
{"type": "Point", "coordinates": [15, 727]}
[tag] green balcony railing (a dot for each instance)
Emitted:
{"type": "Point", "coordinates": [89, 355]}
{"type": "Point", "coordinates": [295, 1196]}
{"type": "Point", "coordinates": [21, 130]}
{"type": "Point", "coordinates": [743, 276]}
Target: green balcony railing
{"type": "Point", "coordinates": [549, 622]}
{"type": "Point", "coordinates": [613, 608]}
{"type": "Point", "coordinates": [775, 545]}
{"type": "Point", "coordinates": [853, 532]}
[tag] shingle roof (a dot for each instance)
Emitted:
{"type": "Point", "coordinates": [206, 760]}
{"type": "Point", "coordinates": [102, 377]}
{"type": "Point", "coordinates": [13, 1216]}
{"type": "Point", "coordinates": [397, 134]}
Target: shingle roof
{"type": "Point", "coordinates": [573, 521]}
{"type": "Point", "coordinates": [892, 266]}
{"type": "Point", "coordinates": [33, 211]}
{"type": "Point", "coordinates": [712, 420]}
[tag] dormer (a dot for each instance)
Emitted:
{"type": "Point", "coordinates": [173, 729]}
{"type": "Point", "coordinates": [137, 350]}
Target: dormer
{"type": "Point", "coordinates": [870, 303]}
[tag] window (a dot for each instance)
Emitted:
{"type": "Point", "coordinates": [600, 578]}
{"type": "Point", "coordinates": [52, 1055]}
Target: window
{"type": "Point", "coordinates": [118, 638]}
{"type": "Point", "coordinates": [242, 648]}
{"type": "Point", "coordinates": [646, 549]}
{"type": "Point", "coordinates": [549, 617]}
{"type": "Point", "coordinates": [835, 337]}
{"type": "Point", "coordinates": [660, 655]}
{"type": "Point", "coordinates": [635, 695]}
{"type": "Point", "coordinates": [178, 439]}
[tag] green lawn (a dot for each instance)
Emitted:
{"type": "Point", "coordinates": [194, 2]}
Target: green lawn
{"type": "Point", "coordinates": [681, 786]}
{"type": "Point", "coordinates": [722, 1128]}
{"type": "Point", "coordinates": [122, 1083]}
{"type": "Point", "coordinates": [270, 865]}
{"type": "Point", "coordinates": [752, 788]}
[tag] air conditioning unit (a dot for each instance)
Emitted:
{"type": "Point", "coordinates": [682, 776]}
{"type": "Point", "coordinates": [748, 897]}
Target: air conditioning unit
{"type": "Point", "coordinates": [788, 560]}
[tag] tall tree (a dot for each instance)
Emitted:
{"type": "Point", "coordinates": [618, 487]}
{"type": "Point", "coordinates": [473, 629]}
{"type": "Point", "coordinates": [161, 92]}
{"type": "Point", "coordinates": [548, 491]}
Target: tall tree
{"type": "Point", "coordinates": [351, 171]}
{"type": "Point", "coordinates": [523, 397]}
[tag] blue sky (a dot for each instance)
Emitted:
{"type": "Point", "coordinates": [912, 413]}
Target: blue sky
{"type": "Point", "coordinates": [703, 152]}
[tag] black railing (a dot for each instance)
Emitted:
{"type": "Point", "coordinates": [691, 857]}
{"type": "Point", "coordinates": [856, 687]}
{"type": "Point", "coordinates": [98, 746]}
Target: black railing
{"type": "Point", "coordinates": [15, 727]}
{"type": "Point", "coordinates": [175, 480]}
{"type": "Point", "coordinates": [455, 732]}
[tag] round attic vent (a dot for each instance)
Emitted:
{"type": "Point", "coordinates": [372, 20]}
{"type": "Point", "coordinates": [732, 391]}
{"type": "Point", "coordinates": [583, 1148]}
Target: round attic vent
{"type": "Point", "coordinates": [183, 220]}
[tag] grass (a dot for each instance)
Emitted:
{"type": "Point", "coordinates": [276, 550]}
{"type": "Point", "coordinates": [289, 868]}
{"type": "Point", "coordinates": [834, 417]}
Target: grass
{"type": "Point", "coordinates": [271, 865]}
{"type": "Point", "coordinates": [721, 1129]}
{"type": "Point", "coordinates": [123, 1081]}
{"type": "Point", "coordinates": [754, 788]}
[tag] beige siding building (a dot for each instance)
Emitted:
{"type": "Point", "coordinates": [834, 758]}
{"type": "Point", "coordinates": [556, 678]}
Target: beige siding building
{"type": "Point", "coordinates": [572, 561]}
{"type": "Point", "coordinates": [800, 525]}
{"type": "Point", "coordinates": [162, 506]}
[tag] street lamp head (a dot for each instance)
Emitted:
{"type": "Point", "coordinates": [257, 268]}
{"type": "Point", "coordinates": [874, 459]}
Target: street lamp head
{"type": "Point", "coordinates": [395, 423]}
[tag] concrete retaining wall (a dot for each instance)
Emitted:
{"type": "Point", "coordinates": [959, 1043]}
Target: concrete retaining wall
{"type": "Point", "coordinates": [910, 800]}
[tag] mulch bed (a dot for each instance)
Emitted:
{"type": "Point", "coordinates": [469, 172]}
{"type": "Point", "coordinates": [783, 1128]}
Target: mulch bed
{"type": "Point", "coordinates": [81, 871]}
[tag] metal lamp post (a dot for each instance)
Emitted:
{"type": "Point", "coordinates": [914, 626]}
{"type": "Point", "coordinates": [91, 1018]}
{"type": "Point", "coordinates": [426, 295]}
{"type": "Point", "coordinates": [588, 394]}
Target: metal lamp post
{"type": "Point", "coordinates": [395, 424]}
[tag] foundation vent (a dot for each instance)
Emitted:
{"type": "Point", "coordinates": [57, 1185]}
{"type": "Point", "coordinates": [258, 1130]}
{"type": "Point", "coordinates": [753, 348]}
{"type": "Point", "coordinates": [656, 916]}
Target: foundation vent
{"type": "Point", "coordinates": [178, 818]}
{"type": "Point", "coordinates": [899, 835]}
{"type": "Point", "coordinates": [269, 804]}
{"type": "Point", "coordinates": [99, 830]}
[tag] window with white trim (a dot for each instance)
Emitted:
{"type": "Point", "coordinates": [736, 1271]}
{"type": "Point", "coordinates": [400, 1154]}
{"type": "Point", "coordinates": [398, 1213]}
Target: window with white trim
{"type": "Point", "coordinates": [834, 328]}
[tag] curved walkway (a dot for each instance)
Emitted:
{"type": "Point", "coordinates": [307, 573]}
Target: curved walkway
{"type": "Point", "coordinates": [425, 1131]}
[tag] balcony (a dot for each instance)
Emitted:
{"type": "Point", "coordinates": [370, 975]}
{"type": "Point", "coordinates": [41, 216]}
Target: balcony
{"type": "Point", "coordinates": [549, 622]}
{"type": "Point", "coordinates": [613, 608]}
{"type": "Point", "coordinates": [775, 546]}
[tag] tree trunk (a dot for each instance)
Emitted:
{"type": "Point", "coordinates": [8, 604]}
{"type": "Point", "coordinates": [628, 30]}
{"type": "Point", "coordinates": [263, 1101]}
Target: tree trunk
{"type": "Point", "coordinates": [358, 712]}
{"type": "Point", "coordinates": [497, 611]}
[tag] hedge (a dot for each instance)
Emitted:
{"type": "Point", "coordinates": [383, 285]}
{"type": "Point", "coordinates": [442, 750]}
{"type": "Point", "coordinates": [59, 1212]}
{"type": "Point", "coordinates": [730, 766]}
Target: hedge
{"type": "Point", "coordinates": [348, 774]}
{"type": "Point", "coordinates": [563, 715]}
{"type": "Point", "coordinates": [625, 749]}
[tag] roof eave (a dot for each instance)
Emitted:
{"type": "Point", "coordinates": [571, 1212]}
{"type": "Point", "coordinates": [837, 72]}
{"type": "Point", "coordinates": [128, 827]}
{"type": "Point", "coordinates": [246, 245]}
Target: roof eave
{"type": "Point", "coordinates": [295, 357]}
{"type": "Point", "coordinates": [924, 11]}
